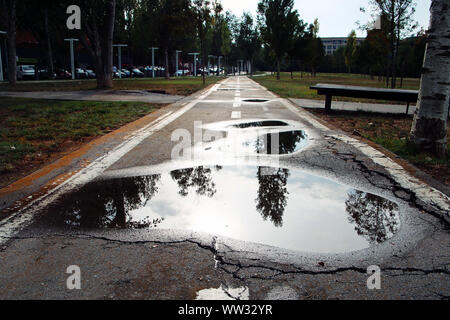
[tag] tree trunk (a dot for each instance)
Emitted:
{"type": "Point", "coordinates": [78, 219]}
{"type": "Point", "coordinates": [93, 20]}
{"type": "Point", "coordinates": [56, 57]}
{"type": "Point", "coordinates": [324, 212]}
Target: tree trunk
{"type": "Point", "coordinates": [105, 56]}
{"type": "Point", "coordinates": [429, 130]}
{"type": "Point", "coordinates": [278, 69]}
{"type": "Point", "coordinates": [50, 67]}
{"type": "Point", "coordinates": [12, 53]}
{"type": "Point", "coordinates": [166, 62]}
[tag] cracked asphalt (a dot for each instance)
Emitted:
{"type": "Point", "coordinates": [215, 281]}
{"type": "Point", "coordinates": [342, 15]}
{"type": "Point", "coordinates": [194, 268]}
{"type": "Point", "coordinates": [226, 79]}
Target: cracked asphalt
{"type": "Point", "coordinates": [160, 264]}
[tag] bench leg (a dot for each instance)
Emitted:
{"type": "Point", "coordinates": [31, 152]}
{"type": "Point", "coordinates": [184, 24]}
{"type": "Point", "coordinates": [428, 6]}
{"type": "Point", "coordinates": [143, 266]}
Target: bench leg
{"type": "Point", "coordinates": [407, 109]}
{"type": "Point", "coordinates": [328, 104]}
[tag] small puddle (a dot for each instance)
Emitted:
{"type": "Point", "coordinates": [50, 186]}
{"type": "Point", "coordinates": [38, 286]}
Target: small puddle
{"type": "Point", "coordinates": [255, 100]}
{"type": "Point", "coordinates": [260, 124]}
{"type": "Point", "coordinates": [280, 207]}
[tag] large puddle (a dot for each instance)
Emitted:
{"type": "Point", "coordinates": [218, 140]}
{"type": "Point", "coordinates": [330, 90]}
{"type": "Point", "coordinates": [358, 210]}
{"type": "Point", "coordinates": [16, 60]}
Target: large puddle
{"type": "Point", "coordinates": [286, 208]}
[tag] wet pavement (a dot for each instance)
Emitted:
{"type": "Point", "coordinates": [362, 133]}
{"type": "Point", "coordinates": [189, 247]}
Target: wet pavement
{"type": "Point", "coordinates": [261, 202]}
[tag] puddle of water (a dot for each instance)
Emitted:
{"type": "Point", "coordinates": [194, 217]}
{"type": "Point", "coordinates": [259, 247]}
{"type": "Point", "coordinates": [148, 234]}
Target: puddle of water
{"type": "Point", "coordinates": [256, 100]}
{"type": "Point", "coordinates": [257, 143]}
{"type": "Point", "coordinates": [222, 293]}
{"type": "Point", "coordinates": [281, 207]}
{"type": "Point", "coordinates": [259, 124]}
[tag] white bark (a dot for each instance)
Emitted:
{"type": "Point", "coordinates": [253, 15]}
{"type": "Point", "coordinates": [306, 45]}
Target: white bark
{"type": "Point", "coordinates": [430, 120]}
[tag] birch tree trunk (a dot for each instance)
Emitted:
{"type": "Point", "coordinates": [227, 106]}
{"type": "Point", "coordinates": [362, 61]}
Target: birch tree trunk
{"type": "Point", "coordinates": [429, 130]}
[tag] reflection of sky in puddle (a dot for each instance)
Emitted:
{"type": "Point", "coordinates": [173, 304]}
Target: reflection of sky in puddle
{"type": "Point", "coordinates": [260, 142]}
{"type": "Point", "coordinates": [287, 208]}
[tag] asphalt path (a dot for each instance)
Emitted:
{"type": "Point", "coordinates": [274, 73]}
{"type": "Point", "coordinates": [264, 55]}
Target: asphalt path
{"type": "Point", "coordinates": [158, 263]}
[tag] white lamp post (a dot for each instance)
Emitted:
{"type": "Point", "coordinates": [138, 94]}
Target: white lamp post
{"type": "Point", "coordinates": [72, 58]}
{"type": "Point", "coordinates": [120, 46]}
{"type": "Point", "coordinates": [153, 60]}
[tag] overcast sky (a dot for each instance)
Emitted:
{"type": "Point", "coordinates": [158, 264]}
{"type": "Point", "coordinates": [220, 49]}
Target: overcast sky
{"type": "Point", "coordinates": [337, 17]}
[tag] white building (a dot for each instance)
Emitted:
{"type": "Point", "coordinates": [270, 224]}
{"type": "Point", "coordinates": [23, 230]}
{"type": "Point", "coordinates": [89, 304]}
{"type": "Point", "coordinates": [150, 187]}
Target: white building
{"type": "Point", "coordinates": [332, 44]}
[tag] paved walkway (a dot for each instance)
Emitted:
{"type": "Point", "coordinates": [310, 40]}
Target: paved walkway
{"type": "Point", "coordinates": [139, 174]}
{"type": "Point", "coordinates": [98, 95]}
{"type": "Point", "coordinates": [354, 106]}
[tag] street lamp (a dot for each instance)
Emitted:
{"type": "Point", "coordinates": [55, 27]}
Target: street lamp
{"type": "Point", "coordinates": [120, 46]}
{"type": "Point", "coordinates": [1, 62]}
{"type": "Point", "coordinates": [153, 60]}
{"type": "Point", "coordinates": [176, 58]}
{"type": "Point", "coordinates": [195, 62]}
{"type": "Point", "coordinates": [72, 59]}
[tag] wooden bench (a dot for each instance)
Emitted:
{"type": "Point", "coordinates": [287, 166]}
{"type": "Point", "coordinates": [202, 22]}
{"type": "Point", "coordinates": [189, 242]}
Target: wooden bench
{"type": "Point", "coordinates": [330, 90]}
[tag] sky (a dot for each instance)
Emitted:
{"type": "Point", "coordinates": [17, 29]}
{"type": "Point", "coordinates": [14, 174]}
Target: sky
{"type": "Point", "coordinates": [336, 17]}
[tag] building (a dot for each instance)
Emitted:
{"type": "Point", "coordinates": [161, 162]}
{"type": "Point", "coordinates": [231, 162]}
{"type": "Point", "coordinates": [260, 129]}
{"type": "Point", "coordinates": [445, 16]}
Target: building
{"type": "Point", "coordinates": [332, 44]}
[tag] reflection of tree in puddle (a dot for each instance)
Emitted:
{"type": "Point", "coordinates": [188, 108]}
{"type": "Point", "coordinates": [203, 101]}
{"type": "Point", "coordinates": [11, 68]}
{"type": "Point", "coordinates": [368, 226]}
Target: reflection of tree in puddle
{"type": "Point", "coordinates": [199, 178]}
{"type": "Point", "coordinates": [376, 218]}
{"type": "Point", "coordinates": [287, 142]}
{"type": "Point", "coordinates": [106, 204]}
{"type": "Point", "coordinates": [272, 194]}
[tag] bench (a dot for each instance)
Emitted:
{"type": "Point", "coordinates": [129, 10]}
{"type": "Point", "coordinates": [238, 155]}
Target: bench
{"type": "Point", "coordinates": [330, 90]}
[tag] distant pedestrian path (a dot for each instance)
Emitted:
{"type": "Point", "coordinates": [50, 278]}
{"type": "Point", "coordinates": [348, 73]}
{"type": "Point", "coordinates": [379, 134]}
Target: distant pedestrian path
{"type": "Point", "coordinates": [355, 106]}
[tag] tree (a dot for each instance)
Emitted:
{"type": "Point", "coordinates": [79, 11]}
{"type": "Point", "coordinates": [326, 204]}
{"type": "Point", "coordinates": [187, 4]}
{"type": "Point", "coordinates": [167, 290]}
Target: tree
{"type": "Point", "coordinates": [277, 20]}
{"type": "Point", "coordinates": [9, 17]}
{"type": "Point", "coordinates": [397, 19]}
{"type": "Point", "coordinates": [248, 40]}
{"type": "Point", "coordinates": [202, 16]}
{"type": "Point", "coordinates": [429, 130]}
{"type": "Point", "coordinates": [350, 51]}
{"type": "Point", "coordinates": [97, 34]}
{"type": "Point", "coordinates": [315, 51]}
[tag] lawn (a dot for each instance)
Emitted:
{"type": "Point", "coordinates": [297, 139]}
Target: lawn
{"type": "Point", "coordinates": [33, 131]}
{"type": "Point", "coordinates": [391, 132]}
{"type": "Point", "coordinates": [299, 87]}
{"type": "Point", "coordinates": [179, 86]}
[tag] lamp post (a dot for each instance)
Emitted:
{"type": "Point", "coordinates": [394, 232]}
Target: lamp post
{"type": "Point", "coordinates": [72, 59]}
{"type": "Point", "coordinates": [195, 62]}
{"type": "Point", "coordinates": [176, 59]}
{"type": "Point", "coordinates": [120, 46]}
{"type": "Point", "coordinates": [153, 60]}
{"type": "Point", "coordinates": [1, 62]}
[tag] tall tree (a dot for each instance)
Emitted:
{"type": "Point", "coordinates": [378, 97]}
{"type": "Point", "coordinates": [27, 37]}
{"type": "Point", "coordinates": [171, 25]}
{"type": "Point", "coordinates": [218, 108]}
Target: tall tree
{"type": "Point", "coordinates": [429, 130]}
{"type": "Point", "coordinates": [277, 20]}
{"type": "Point", "coordinates": [397, 17]}
{"type": "Point", "coordinates": [248, 39]}
{"type": "Point", "coordinates": [97, 34]}
{"type": "Point", "coordinates": [8, 15]}
{"type": "Point", "coordinates": [315, 50]}
{"type": "Point", "coordinates": [350, 51]}
{"type": "Point", "coordinates": [202, 16]}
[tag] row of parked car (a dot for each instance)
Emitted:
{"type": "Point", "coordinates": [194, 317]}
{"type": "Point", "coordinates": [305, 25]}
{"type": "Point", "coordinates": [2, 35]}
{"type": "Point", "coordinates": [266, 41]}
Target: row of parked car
{"type": "Point", "coordinates": [28, 72]}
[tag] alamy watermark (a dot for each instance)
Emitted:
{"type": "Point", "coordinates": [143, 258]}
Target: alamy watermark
{"type": "Point", "coordinates": [374, 281]}
{"type": "Point", "coordinates": [74, 20]}
{"type": "Point", "coordinates": [74, 280]}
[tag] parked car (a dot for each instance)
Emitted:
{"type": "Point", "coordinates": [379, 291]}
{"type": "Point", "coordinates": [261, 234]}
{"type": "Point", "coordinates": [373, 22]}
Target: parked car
{"type": "Point", "coordinates": [44, 74]}
{"type": "Point", "coordinates": [117, 73]}
{"type": "Point", "coordinates": [91, 74]}
{"type": "Point", "coordinates": [126, 72]}
{"type": "Point", "coordinates": [63, 74]}
{"type": "Point", "coordinates": [26, 72]}
{"type": "Point", "coordinates": [80, 73]}
{"type": "Point", "coordinates": [137, 73]}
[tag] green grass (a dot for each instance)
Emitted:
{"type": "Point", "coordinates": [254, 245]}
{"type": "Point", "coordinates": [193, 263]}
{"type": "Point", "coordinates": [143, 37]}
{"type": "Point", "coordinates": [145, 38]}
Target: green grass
{"type": "Point", "coordinates": [34, 129]}
{"type": "Point", "coordinates": [178, 86]}
{"type": "Point", "coordinates": [300, 87]}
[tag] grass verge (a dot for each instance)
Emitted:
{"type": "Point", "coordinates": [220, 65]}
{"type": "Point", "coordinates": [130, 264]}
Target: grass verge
{"type": "Point", "coordinates": [177, 86]}
{"type": "Point", "coordinates": [33, 131]}
{"type": "Point", "coordinates": [391, 132]}
{"type": "Point", "coordinates": [299, 87]}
